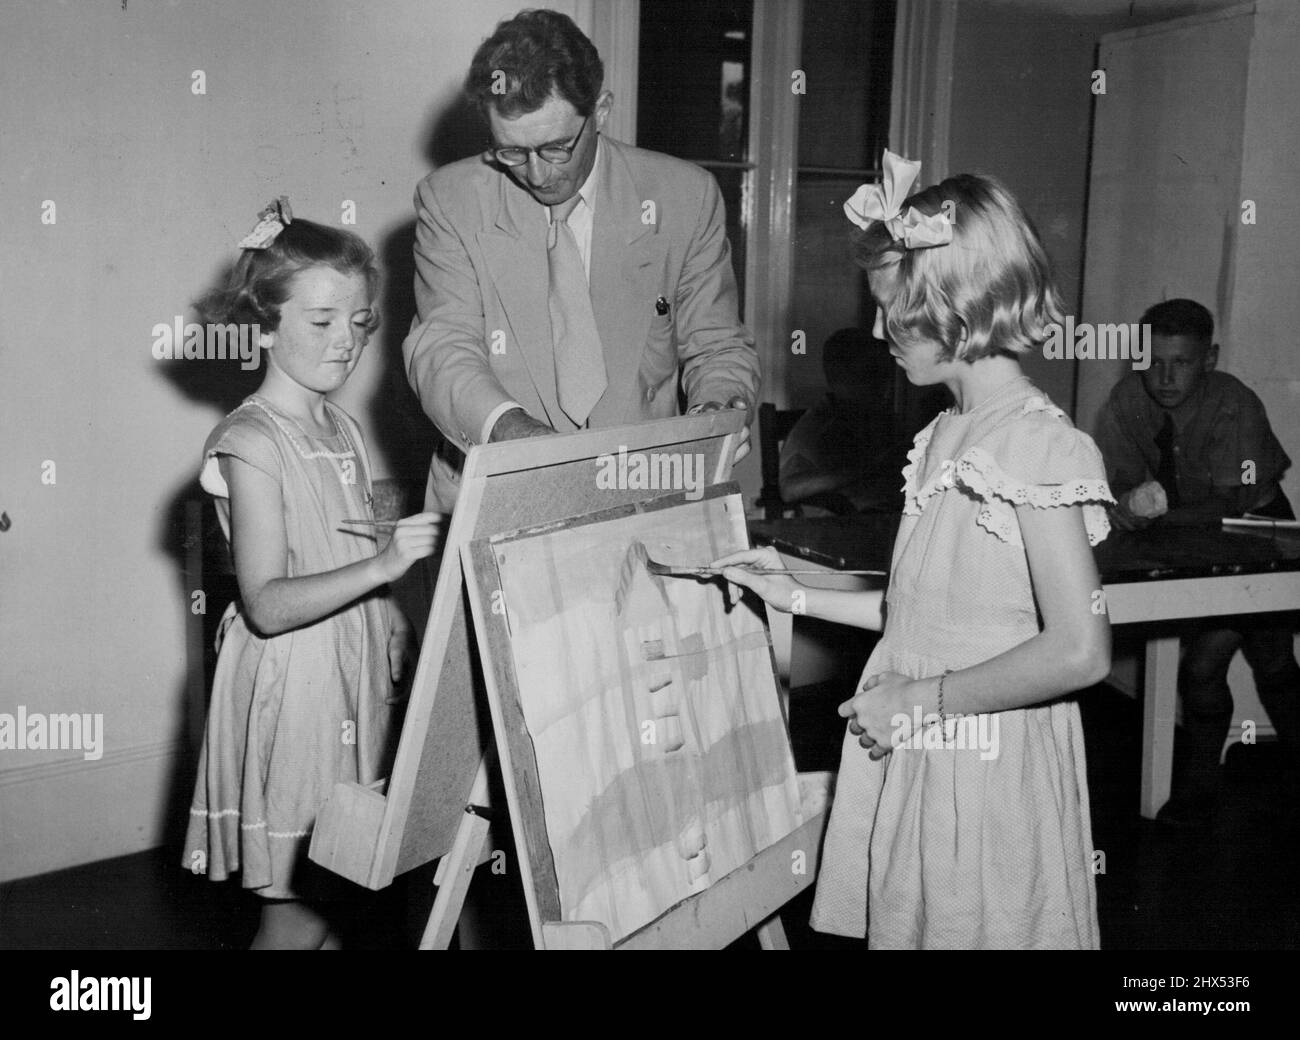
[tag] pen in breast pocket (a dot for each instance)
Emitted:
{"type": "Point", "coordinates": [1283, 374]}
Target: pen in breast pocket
{"type": "Point", "coordinates": [661, 306]}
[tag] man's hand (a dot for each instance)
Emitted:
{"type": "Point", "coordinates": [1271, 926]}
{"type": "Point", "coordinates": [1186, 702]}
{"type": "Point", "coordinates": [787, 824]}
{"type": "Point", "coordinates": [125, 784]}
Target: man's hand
{"type": "Point", "coordinates": [742, 446]}
{"type": "Point", "coordinates": [517, 423]}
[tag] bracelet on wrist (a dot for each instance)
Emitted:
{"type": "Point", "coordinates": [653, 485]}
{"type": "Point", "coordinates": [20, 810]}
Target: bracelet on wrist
{"type": "Point", "coordinates": [943, 717]}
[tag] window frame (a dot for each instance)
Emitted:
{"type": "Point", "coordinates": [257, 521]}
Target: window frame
{"type": "Point", "coordinates": [920, 102]}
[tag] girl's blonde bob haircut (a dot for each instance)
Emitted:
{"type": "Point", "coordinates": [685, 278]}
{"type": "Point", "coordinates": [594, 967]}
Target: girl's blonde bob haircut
{"type": "Point", "coordinates": [992, 282]}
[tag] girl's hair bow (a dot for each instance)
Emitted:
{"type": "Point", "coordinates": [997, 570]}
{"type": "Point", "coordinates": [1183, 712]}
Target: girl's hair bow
{"type": "Point", "coordinates": [270, 222]}
{"type": "Point", "coordinates": [872, 202]}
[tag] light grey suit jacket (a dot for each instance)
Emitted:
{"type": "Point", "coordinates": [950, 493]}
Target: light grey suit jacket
{"type": "Point", "coordinates": [482, 334]}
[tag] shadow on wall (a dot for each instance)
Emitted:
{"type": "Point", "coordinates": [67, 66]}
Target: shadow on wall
{"type": "Point", "coordinates": [217, 384]}
{"type": "Point", "coordinates": [455, 132]}
{"type": "Point", "coordinates": [402, 432]}
{"type": "Point", "coordinates": [405, 435]}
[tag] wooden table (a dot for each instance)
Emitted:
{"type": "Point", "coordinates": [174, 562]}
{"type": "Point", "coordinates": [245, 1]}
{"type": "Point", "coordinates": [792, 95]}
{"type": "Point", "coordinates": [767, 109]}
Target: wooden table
{"type": "Point", "coordinates": [1150, 577]}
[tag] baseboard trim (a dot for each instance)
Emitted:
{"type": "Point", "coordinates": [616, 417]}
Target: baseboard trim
{"type": "Point", "coordinates": [45, 771]}
{"type": "Point", "coordinates": [72, 811]}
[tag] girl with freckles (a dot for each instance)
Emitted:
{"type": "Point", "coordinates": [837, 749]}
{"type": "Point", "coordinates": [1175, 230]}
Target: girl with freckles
{"type": "Point", "coordinates": [303, 695]}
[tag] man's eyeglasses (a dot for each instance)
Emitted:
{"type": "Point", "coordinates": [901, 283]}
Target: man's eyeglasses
{"type": "Point", "coordinates": [555, 154]}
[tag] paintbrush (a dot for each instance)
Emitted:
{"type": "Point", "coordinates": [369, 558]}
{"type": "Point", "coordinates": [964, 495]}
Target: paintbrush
{"type": "Point", "coordinates": [669, 571]}
{"type": "Point", "coordinates": [376, 523]}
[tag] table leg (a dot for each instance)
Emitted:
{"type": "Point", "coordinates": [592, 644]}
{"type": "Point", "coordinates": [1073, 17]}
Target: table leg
{"type": "Point", "coordinates": [780, 625]}
{"type": "Point", "coordinates": [1160, 700]}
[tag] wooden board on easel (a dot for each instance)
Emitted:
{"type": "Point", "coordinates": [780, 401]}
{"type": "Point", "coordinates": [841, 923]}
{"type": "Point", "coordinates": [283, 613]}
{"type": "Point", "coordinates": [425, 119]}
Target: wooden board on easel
{"type": "Point", "coordinates": [369, 836]}
{"type": "Point", "coordinates": [639, 728]}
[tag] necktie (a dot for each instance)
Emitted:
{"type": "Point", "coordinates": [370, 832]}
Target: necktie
{"type": "Point", "coordinates": [579, 359]}
{"type": "Point", "coordinates": [1167, 474]}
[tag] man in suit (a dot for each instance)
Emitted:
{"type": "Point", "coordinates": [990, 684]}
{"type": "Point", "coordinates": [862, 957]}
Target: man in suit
{"type": "Point", "coordinates": [564, 281]}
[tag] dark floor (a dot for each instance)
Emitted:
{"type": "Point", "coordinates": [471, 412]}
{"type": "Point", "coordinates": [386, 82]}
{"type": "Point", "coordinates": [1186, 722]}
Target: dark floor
{"type": "Point", "coordinates": [1232, 888]}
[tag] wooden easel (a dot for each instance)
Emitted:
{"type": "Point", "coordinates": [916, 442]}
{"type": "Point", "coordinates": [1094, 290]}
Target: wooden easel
{"type": "Point", "coordinates": [431, 806]}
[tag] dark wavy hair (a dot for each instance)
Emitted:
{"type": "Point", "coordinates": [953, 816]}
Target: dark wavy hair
{"type": "Point", "coordinates": [1180, 318]}
{"type": "Point", "coordinates": [261, 280]}
{"type": "Point", "coordinates": [993, 281]}
{"type": "Point", "coordinates": [529, 57]}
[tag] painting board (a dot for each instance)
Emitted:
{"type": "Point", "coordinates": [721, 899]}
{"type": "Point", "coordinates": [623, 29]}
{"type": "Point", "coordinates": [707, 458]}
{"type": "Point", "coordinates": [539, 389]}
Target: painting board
{"type": "Point", "coordinates": [370, 834]}
{"type": "Point", "coordinates": [638, 718]}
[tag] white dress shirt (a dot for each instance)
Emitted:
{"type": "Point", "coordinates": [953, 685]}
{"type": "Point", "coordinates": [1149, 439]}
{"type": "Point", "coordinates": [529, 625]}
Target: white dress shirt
{"type": "Point", "coordinates": [580, 222]}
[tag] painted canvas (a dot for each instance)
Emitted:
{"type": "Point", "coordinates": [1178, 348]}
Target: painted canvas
{"type": "Point", "coordinates": [662, 754]}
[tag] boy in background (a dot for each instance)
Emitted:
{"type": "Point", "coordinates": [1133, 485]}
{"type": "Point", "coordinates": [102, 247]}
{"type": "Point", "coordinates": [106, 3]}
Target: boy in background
{"type": "Point", "coordinates": [1185, 444]}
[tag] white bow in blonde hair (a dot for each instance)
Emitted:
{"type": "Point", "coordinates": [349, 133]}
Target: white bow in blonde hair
{"type": "Point", "coordinates": [872, 202]}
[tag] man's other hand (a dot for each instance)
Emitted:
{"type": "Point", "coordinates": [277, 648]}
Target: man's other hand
{"type": "Point", "coordinates": [742, 446]}
{"type": "Point", "coordinates": [517, 423]}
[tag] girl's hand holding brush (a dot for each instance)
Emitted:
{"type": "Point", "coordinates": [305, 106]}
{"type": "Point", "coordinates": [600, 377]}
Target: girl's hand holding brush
{"type": "Point", "coordinates": [413, 538]}
{"type": "Point", "coordinates": [761, 571]}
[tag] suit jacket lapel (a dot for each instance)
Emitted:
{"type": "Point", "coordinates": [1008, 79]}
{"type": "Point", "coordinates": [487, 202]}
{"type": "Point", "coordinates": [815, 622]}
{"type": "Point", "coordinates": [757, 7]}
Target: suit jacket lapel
{"type": "Point", "coordinates": [515, 252]}
{"type": "Point", "coordinates": [626, 265]}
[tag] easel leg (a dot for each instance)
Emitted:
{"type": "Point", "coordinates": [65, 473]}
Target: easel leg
{"type": "Point", "coordinates": [771, 934]}
{"type": "Point", "coordinates": [456, 869]}
{"type": "Point", "coordinates": [455, 872]}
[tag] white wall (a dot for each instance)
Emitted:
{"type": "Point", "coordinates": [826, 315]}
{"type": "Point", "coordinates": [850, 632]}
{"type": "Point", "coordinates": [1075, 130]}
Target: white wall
{"type": "Point", "coordinates": [1021, 110]}
{"type": "Point", "coordinates": [1164, 210]}
{"type": "Point", "coordinates": [1264, 349]}
{"type": "Point", "coordinates": [1223, 91]}
{"type": "Point", "coordinates": [324, 100]}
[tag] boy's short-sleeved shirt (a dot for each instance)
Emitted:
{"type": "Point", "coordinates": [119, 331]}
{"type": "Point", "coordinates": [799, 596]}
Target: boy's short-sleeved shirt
{"type": "Point", "coordinates": [1223, 443]}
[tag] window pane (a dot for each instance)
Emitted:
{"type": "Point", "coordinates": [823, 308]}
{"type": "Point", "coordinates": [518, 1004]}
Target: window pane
{"type": "Point", "coordinates": [693, 96]}
{"type": "Point", "coordinates": [693, 78]}
{"type": "Point", "coordinates": [830, 290]}
{"type": "Point", "coordinates": [847, 54]}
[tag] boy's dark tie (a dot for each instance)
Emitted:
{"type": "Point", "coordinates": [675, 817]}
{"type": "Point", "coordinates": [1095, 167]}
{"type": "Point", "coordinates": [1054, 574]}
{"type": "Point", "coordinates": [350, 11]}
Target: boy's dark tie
{"type": "Point", "coordinates": [1167, 474]}
{"type": "Point", "coordinates": [580, 377]}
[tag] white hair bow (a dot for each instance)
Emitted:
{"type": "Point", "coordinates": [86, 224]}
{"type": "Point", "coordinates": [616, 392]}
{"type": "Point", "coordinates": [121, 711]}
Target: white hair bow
{"type": "Point", "coordinates": [871, 202]}
{"type": "Point", "coordinates": [270, 222]}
